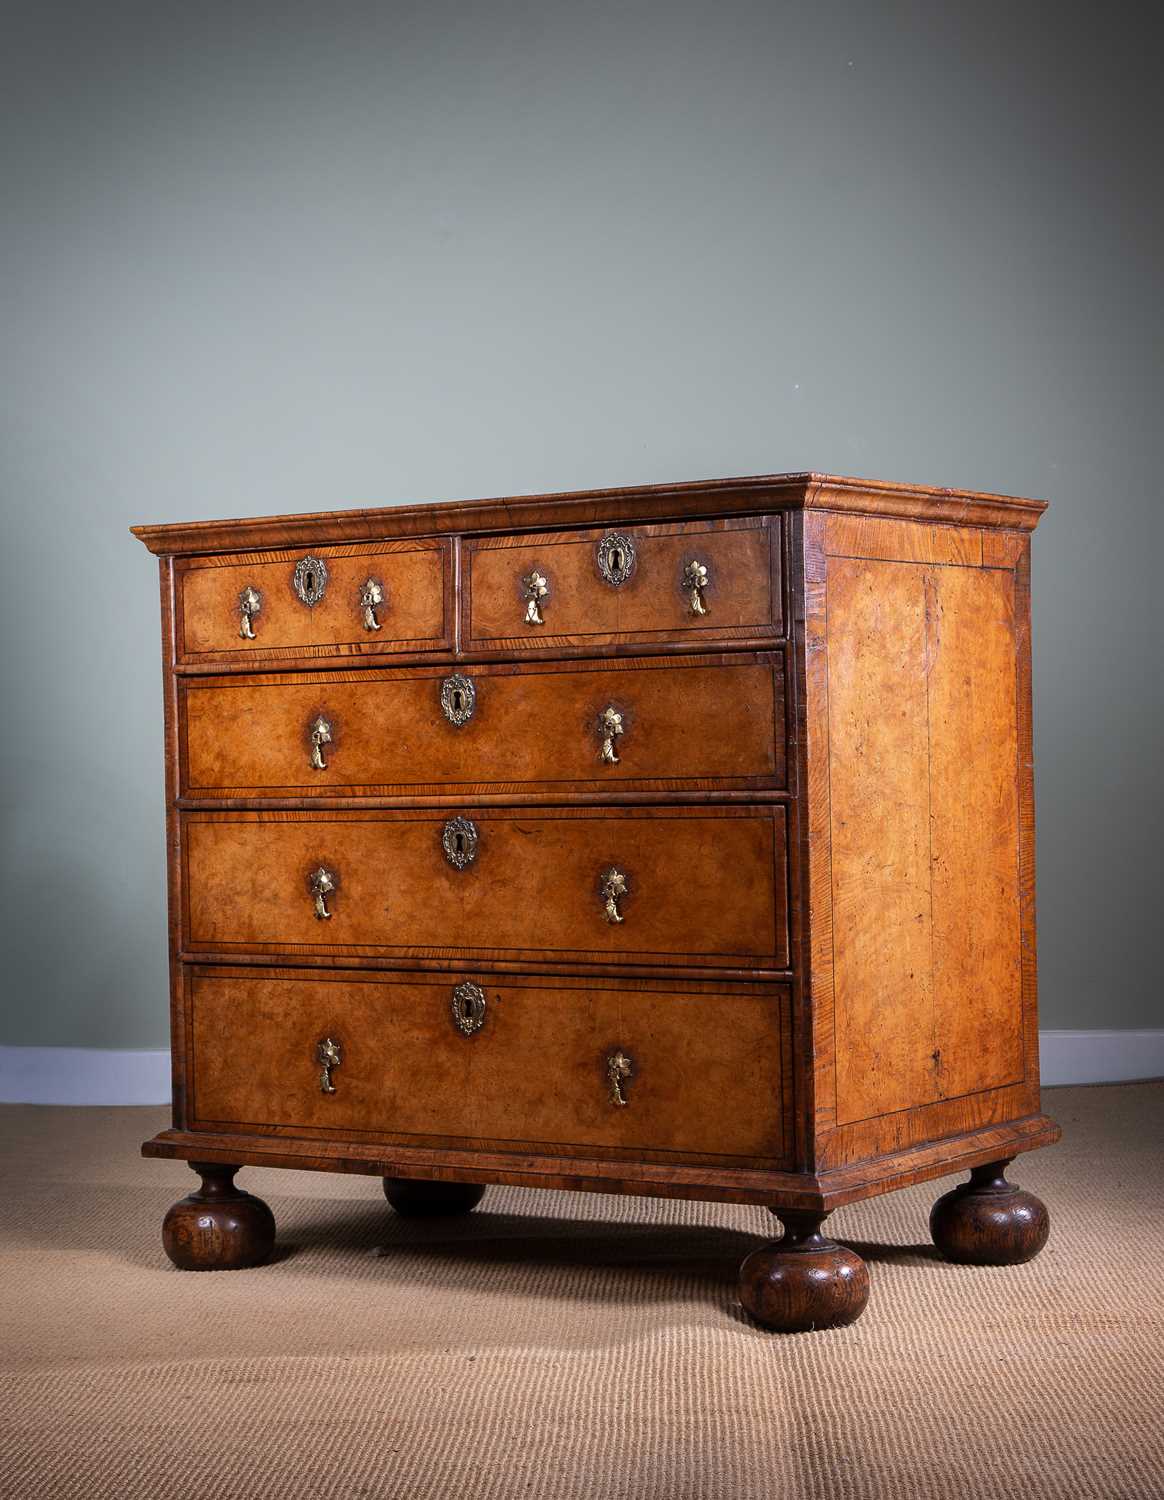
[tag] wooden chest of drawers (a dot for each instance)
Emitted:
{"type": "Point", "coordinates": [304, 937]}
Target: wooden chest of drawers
{"type": "Point", "coordinates": [667, 841]}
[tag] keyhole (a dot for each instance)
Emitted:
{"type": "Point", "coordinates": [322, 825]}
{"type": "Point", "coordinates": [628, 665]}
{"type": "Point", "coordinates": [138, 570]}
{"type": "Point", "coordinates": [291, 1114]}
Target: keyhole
{"type": "Point", "coordinates": [616, 560]}
{"type": "Point", "coordinates": [460, 843]}
{"type": "Point", "coordinates": [457, 699]}
{"type": "Point", "coordinates": [310, 582]}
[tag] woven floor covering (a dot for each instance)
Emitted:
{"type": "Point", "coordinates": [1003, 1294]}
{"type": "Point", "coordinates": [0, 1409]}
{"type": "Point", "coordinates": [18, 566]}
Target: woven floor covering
{"type": "Point", "coordinates": [569, 1345]}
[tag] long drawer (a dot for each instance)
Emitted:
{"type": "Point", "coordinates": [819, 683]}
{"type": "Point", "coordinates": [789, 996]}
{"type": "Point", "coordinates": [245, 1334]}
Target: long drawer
{"type": "Point", "coordinates": [428, 1060]}
{"type": "Point", "coordinates": [539, 728]}
{"type": "Point", "coordinates": [644, 885]}
{"type": "Point", "coordinates": [685, 583]}
{"type": "Point", "coordinates": [376, 598]}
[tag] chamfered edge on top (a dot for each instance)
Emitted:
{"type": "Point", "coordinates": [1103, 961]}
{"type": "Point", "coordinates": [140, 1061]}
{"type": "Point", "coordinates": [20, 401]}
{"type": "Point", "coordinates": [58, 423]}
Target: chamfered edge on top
{"type": "Point", "coordinates": [736, 496]}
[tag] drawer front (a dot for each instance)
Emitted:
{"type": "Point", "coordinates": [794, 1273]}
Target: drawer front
{"type": "Point", "coordinates": [647, 886]}
{"type": "Point", "coordinates": [532, 593]}
{"type": "Point", "coordinates": [511, 1062]}
{"type": "Point", "coordinates": [650, 724]}
{"type": "Point", "coordinates": [330, 601]}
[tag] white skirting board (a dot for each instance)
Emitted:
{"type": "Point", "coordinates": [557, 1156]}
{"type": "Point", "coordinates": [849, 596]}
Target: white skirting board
{"type": "Point", "coordinates": [84, 1075]}
{"type": "Point", "coordinates": [1100, 1056]}
{"type": "Point", "coordinates": [90, 1075]}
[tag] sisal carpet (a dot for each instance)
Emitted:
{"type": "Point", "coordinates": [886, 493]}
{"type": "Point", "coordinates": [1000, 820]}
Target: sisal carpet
{"type": "Point", "coordinates": [570, 1346]}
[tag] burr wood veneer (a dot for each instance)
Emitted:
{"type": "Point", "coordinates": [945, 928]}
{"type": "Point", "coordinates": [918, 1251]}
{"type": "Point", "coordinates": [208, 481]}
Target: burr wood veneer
{"type": "Point", "coordinates": [673, 840]}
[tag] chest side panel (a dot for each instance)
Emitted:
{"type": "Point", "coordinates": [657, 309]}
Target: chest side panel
{"type": "Point", "coordinates": [918, 734]}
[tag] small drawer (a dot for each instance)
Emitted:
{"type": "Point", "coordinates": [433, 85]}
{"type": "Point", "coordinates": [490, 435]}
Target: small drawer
{"type": "Point", "coordinates": [653, 724]}
{"type": "Point", "coordinates": [668, 886]}
{"type": "Point", "coordinates": [501, 1063]}
{"type": "Point", "coordinates": [365, 600]}
{"type": "Point", "coordinates": [687, 582]}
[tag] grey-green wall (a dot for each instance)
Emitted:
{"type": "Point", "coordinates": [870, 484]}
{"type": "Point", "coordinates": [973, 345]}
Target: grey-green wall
{"type": "Point", "coordinates": [264, 257]}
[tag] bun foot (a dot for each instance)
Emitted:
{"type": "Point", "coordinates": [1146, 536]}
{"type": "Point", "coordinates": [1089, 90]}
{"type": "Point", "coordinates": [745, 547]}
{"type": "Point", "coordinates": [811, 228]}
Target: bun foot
{"type": "Point", "coordinates": [805, 1280]}
{"type": "Point", "coordinates": [413, 1198]}
{"type": "Point", "coordinates": [218, 1228]}
{"type": "Point", "coordinates": [989, 1221]}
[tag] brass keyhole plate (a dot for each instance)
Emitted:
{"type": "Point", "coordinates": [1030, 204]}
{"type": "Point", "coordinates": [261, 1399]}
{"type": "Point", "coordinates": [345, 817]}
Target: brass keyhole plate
{"type": "Point", "coordinates": [310, 580]}
{"type": "Point", "coordinates": [468, 1008]}
{"type": "Point", "coordinates": [459, 841]}
{"type": "Point", "coordinates": [616, 558]}
{"type": "Point", "coordinates": [458, 698]}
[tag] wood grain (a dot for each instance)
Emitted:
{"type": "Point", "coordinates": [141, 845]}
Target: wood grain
{"type": "Point", "coordinates": [536, 1071]}
{"type": "Point", "coordinates": [762, 494]}
{"type": "Point", "coordinates": [219, 1227]}
{"type": "Point", "coordinates": [915, 502]}
{"type": "Point", "coordinates": [1026, 818]}
{"type": "Point", "coordinates": [706, 724]}
{"type": "Point", "coordinates": [902, 541]}
{"type": "Point", "coordinates": [989, 1221]}
{"type": "Point", "coordinates": [174, 895]}
{"type": "Point", "coordinates": [974, 819]}
{"type": "Point", "coordinates": [917, 746]}
{"type": "Point", "coordinates": [582, 608]}
{"type": "Point", "coordinates": [814, 797]}
{"type": "Point", "coordinates": [705, 887]}
{"type": "Point", "coordinates": [744, 1184]}
{"type": "Point", "coordinates": [416, 613]}
{"type": "Point", "coordinates": [879, 775]}
{"type": "Point", "coordinates": [804, 1280]}
{"type": "Point", "coordinates": [907, 1128]}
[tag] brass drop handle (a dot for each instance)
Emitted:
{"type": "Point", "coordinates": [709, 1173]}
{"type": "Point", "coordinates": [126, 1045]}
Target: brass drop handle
{"type": "Point", "coordinates": [535, 587]}
{"type": "Point", "coordinates": [619, 1071]}
{"type": "Point", "coordinates": [329, 1055]}
{"type": "Point", "coordinates": [614, 887]}
{"type": "Point", "coordinates": [609, 729]}
{"type": "Point", "coordinates": [371, 598]}
{"type": "Point", "coordinates": [320, 736]}
{"type": "Point", "coordinates": [323, 885]}
{"type": "Point", "coordinates": [695, 580]}
{"type": "Point", "coordinates": [250, 601]}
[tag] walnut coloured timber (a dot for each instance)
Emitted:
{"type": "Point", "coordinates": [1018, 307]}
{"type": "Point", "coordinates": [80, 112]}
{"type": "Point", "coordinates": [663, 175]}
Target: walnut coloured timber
{"type": "Point", "coordinates": [674, 840]}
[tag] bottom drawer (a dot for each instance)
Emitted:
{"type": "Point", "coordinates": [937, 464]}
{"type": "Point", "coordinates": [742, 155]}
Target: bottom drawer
{"type": "Point", "coordinates": [638, 1067]}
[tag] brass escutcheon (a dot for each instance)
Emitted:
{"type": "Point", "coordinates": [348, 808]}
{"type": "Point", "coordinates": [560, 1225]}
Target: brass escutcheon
{"type": "Point", "coordinates": [616, 558]}
{"type": "Point", "coordinates": [468, 1008]}
{"type": "Point", "coordinates": [458, 698]}
{"type": "Point", "coordinates": [310, 580]}
{"type": "Point", "coordinates": [459, 841]}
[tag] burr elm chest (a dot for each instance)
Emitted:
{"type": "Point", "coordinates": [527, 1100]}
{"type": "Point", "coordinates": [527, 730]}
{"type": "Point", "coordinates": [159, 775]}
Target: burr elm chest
{"type": "Point", "coordinates": [673, 840]}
